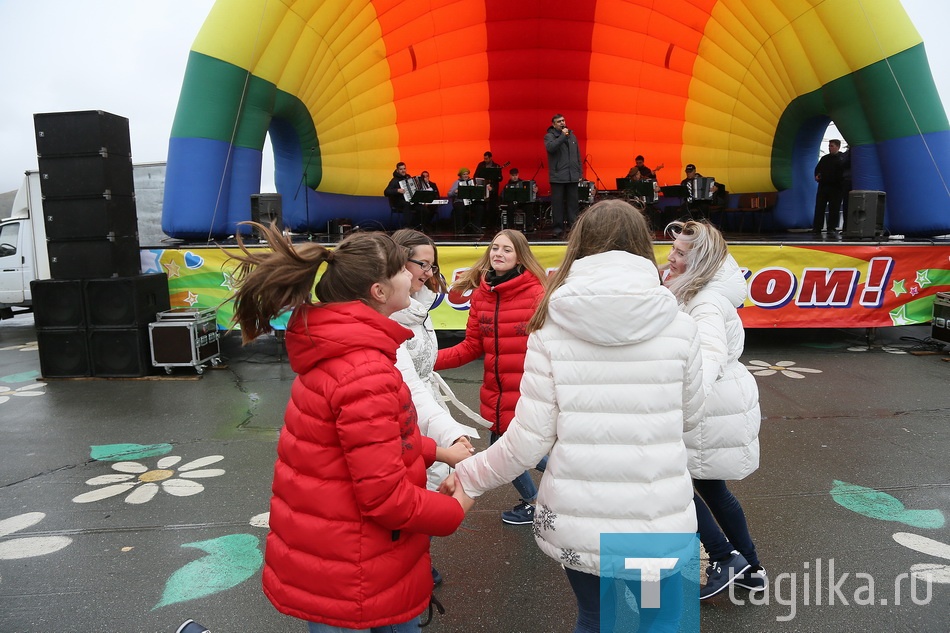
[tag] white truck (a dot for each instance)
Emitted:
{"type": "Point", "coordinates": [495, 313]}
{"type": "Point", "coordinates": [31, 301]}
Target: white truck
{"type": "Point", "coordinates": [23, 245]}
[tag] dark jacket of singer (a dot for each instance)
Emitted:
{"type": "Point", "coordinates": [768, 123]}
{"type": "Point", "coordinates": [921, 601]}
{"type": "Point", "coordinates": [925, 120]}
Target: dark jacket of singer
{"type": "Point", "coordinates": [564, 156]}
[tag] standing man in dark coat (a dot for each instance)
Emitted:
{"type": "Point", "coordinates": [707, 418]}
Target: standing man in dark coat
{"type": "Point", "coordinates": [564, 171]}
{"type": "Point", "coordinates": [829, 174]}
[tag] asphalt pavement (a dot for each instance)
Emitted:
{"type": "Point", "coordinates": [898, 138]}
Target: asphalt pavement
{"type": "Point", "coordinates": [133, 505]}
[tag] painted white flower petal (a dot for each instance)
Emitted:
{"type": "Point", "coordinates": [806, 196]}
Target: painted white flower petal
{"type": "Point", "coordinates": [104, 493]}
{"type": "Point", "coordinates": [4, 399]}
{"type": "Point", "coordinates": [27, 393]}
{"type": "Point", "coordinates": [931, 571]}
{"type": "Point", "coordinates": [198, 474]}
{"type": "Point", "coordinates": [182, 487]}
{"type": "Point", "coordinates": [113, 478]}
{"type": "Point", "coordinates": [764, 372]}
{"type": "Point", "coordinates": [261, 520]}
{"type": "Point", "coordinates": [893, 350]}
{"type": "Point", "coordinates": [808, 370]}
{"type": "Point", "coordinates": [923, 544]}
{"type": "Point", "coordinates": [791, 374]}
{"type": "Point", "coordinates": [785, 363]}
{"type": "Point", "coordinates": [38, 385]}
{"type": "Point", "coordinates": [863, 348]}
{"type": "Point", "coordinates": [5, 390]}
{"type": "Point", "coordinates": [142, 494]}
{"type": "Point", "coordinates": [760, 363]}
{"type": "Point", "coordinates": [169, 461]}
{"type": "Point", "coordinates": [130, 467]}
{"type": "Point", "coordinates": [204, 461]}
{"type": "Point", "coordinates": [19, 522]}
{"type": "Point", "coordinates": [29, 547]}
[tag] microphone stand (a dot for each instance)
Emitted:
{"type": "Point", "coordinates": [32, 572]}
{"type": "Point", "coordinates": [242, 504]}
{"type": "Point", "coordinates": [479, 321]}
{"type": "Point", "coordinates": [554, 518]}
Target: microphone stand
{"type": "Point", "coordinates": [306, 200]}
{"type": "Point", "coordinates": [598, 180]}
{"type": "Point", "coordinates": [540, 167]}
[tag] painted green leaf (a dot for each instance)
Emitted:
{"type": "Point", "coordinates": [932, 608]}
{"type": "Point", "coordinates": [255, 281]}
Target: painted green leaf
{"type": "Point", "coordinates": [880, 505]}
{"type": "Point", "coordinates": [230, 561]}
{"type": "Point", "coordinates": [122, 452]}
{"type": "Point", "coordinates": [25, 376]}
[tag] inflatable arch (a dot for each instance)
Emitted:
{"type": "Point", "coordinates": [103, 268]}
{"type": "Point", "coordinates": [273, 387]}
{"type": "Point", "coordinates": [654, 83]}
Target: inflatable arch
{"type": "Point", "coordinates": [744, 89]}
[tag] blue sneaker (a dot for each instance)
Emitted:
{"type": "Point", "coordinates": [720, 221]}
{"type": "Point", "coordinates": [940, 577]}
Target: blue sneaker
{"type": "Point", "coordinates": [754, 579]}
{"type": "Point", "coordinates": [521, 514]}
{"type": "Point", "coordinates": [436, 577]}
{"type": "Point", "coordinates": [721, 574]}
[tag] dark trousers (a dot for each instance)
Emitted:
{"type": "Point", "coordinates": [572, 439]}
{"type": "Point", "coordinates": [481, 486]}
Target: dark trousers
{"type": "Point", "coordinates": [717, 508]}
{"type": "Point", "coordinates": [829, 197]}
{"type": "Point", "coordinates": [563, 203]}
{"type": "Point", "coordinates": [591, 604]}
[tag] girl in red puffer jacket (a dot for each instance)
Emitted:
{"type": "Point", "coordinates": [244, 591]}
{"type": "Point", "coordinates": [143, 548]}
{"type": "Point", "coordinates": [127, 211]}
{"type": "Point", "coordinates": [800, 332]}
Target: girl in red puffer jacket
{"type": "Point", "coordinates": [508, 285]}
{"type": "Point", "coordinates": [350, 517]}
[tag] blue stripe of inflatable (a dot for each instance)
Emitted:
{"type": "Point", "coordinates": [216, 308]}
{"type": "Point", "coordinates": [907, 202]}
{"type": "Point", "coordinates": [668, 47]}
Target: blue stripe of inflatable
{"type": "Point", "coordinates": [195, 202]}
{"type": "Point", "coordinates": [916, 173]}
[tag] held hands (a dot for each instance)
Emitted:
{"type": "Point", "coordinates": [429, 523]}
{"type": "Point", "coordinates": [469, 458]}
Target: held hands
{"type": "Point", "coordinates": [451, 486]}
{"type": "Point", "coordinates": [455, 453]}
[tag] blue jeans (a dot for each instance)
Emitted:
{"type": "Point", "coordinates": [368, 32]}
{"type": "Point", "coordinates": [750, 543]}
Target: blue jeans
{"type": "Point", "coordinates": [412, 626]}
{"type": "Point", "coordinates": [523, 483]}
{"type": "Point", "coordinates": [590, 602]}
{"type": "Point", "coordinates": [717, 508]}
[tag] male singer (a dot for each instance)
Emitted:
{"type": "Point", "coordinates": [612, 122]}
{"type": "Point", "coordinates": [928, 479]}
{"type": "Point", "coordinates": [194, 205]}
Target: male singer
{"type": "Point", "coordinates": [564, 172]}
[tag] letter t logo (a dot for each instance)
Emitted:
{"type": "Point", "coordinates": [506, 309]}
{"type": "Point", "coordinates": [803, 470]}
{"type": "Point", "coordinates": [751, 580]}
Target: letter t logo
{"type": "Point", "coordinates": [650, 578]}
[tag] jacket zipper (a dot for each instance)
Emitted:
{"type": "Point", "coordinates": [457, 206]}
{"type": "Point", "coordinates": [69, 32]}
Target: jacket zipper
{"type": "Point", "coordinates": [497, 375]}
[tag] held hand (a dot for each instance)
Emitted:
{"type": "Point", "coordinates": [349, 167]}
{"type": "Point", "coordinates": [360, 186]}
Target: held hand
{"type": "Point", "coordinates": [464, 500]}
{"type": "Point", "coordinates": [454, 454]}
{"type": "Point", "coordinates": [464, 440]}
{"type": "Point", "coordinates": [447, 487]}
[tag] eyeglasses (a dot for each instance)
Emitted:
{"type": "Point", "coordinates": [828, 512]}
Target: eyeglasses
{"type": "Point", "coordinates": [425, 267]}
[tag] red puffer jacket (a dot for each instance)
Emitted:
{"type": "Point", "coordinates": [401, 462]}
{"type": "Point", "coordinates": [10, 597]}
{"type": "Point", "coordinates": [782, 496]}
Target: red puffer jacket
{"type": "Point", "coordinates": [497, 321]}
{"type": "Point", "coordinates": [350, 517]}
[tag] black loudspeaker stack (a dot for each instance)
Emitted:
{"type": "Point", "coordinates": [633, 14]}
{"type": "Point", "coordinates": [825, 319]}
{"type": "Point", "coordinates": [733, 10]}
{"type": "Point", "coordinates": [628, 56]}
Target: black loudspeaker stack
{"type": "Point", "coordinates": [267, 208]}
{"type": "Point", "coordinates": [865, 215]}
{"type": "Point", "coordinates": [92, 317]}
{"type": "Point", "coordinates": [97, 327]}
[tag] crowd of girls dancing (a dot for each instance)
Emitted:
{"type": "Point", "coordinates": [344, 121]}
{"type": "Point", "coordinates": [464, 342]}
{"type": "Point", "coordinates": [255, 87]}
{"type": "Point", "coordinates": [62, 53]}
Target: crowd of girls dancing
{"type": "Point", "coordinates": [619, 380]}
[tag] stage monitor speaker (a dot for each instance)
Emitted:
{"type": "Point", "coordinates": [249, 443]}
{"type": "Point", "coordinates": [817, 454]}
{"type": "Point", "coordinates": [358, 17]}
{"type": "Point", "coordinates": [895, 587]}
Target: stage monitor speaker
{"type": "Point", "coordinates": [865, 216]}
{"type": "Point", "coordinates": [92, 259]}
{"type": "Point", "coordinates": [86, 176]}
{"type": "Point", "coordinates": [267, 208]}
{"type": "Point", "coordinates": [89, 218]}
{"type": "Point", "coordinates": [58, 303]}
{"type": "Point", "coordinates": [64, 353]}
{"type": "Point", "coordinates": [119, 353]}
{"type": "Point", "coordinates": [940, 324]}
{"type": "Point", "coordinates": [126, 301]}
{"type": "Point", "coordinates": [82, 132]}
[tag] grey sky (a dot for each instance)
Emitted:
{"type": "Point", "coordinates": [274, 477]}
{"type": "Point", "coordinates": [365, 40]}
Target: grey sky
{"type": "Point", "coordinates": [128, 57]}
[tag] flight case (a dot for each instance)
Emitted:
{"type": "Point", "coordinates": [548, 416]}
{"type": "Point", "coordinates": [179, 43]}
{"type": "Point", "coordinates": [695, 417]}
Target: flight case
{"type": "Point", "coordinates": [185, 337]}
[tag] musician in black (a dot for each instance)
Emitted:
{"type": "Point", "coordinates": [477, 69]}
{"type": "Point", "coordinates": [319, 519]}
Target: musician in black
{"type": "Point", "coordinates": [691, 205]}
{"type": "Point", "coordinates": [427, 212]}
{"type": "Point", "coordinates": [397, 200]}
{"type": "Point", "coordinates": [640, 171]}
{"type": "Point", "coordinates": [516, 183]}
{"type": "Point", "coordinates": [427, 185]}
{"type": "Point", "coordinates": [564, 172]}
{"type": "Point", "coordinates": [829, 174]}
{"type": "Point", "coordinates": [493, 182]}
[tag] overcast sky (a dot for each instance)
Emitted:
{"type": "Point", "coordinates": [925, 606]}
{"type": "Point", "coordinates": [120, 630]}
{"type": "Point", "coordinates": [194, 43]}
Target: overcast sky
{"type": "Point", "coordinates": [128, 57]}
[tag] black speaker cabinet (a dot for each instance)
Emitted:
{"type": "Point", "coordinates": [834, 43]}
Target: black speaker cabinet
{"type": "Point", "coordinates": [83, 132]}
{"type": "Point", "coordinates": [86, 176]}
{"type": "Point", "coordinates": [58, 303]}
{"type": "Point", "coordinates": [865, 216]}
{"type": "Point", "coordinates": [91, 259]}
{"type": "Point", "coordinates": [940, 325]}
{"type": "Point", "coordinates": [267, 208]}
{"type": "Point", "coordinates": [119, 353]}
{"type": "Point", "coordinates": [64, 353]}
{"type": "Point", "coordinates": [88, 218]}
{"type": "Point", "coordinates": [126, 301]}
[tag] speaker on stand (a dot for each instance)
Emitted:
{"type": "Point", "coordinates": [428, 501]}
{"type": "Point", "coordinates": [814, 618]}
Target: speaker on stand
{"type": "Point", "coordinates": [267, 208]}
{"type": "Point", "coordinates": [865, 214]}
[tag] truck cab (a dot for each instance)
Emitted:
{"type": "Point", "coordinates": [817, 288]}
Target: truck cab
{"type": "Point", "coordinates": [22, 235]}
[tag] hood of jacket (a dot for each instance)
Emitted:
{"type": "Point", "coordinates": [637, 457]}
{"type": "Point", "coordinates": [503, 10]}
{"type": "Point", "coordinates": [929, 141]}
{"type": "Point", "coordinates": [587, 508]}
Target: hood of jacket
{"type": "Point", "coordinates": [729, 282]}
{"type": "Point", "coordinates": [319, 332]}
{"type": "Point", "coordinates": [612, 298]}
{"type": "Point", "coordinates": [418, 310]}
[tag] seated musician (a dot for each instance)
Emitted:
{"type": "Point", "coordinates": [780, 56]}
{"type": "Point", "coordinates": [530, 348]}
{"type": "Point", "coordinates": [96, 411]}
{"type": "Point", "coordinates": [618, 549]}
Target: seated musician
{"type": "Point", "coordinates": [396, 194]}
{"type": "Point", "coordinates": [428, 212]}
{"type": "Point", "coordinates": [466, 212]}
{"type": "Point", "coordinates": [514, 180]}
{"type": "Point", "coordinates": [516, 183]}
{"type": "Point", "coordinates": [641, 172]}
{"type": "Point", "coordinates": [693, 205]}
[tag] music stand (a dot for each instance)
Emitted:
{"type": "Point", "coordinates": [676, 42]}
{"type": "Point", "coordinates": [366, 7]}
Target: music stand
{"type": "Point", "coordinates": [490, 173]}
{"type": "Point", "coordinates": [472, 192]}
{"type": "Point", "coordinates": [423, 196]}
{"type": "Point", "coordinates": [516, 194]}
{"type": "Point", "coordinates": [625, 184]}
{"type": "Point", "coordinates": [675, 191]}
{"type": "Point", "coordinates": [643, 189]}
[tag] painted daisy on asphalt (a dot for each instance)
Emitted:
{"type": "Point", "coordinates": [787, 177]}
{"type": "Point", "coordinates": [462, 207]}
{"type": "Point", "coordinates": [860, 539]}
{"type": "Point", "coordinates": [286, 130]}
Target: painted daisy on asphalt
{"type": "Point", "coordinates": [27, 546]}
{"type": "Point", "coordinates": [784, 367]}
{"type": "Point", "coordinates": [143, 483]}
{"type": "Point", "coordinates": [30, 390]}
{"type": "Point", "coordinates": [32, 346]}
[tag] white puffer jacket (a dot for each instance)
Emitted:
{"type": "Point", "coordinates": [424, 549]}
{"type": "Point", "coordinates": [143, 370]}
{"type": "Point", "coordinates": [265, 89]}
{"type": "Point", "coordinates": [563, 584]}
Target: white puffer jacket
{"type": "Point", "coordinates": [611, 383]}
{"type": "Point", "coordinates": [415, 359]}
{"type": "Point", "coordinates": [726, 444]}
